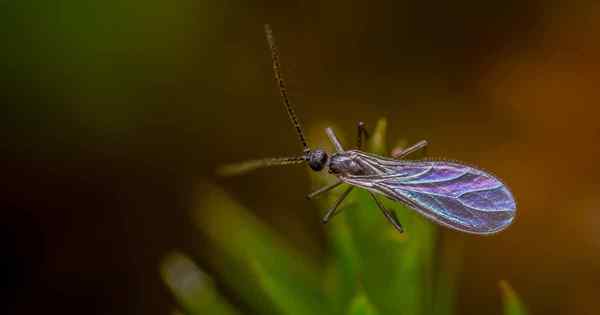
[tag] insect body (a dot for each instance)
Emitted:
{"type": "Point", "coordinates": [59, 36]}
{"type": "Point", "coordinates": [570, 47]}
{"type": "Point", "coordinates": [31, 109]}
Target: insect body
{"type": "Point", "coordinates": [452, 194]}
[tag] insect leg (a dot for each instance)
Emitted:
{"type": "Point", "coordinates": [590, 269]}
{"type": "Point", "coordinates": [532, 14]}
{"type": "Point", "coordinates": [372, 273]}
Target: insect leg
{"type": "Point", "coordinates": [333, 211]}
{"type": "Point", "coordinates": [389, 214]}
{"type": "Point", "coordinates": [362, 131]}
{"type": "Point", "coordinates": [334, 140]}
{"type": "Point", "coordinates": [419, 145]}
{"type": "Point", "coordinates": [323, 189]}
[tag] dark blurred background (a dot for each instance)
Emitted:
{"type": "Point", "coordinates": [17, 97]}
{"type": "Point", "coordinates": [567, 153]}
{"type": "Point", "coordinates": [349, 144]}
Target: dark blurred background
{"type": "Point", "coordinates": [114, 111]}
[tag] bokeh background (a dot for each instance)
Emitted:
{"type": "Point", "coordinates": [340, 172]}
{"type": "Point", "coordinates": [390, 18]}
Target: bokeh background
{"type": "Point", "coordinates": [114, 111]}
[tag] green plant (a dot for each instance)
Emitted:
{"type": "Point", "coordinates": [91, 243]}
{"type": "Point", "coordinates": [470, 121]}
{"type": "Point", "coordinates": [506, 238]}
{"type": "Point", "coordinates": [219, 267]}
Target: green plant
{"type": "Point", "coordinates": [371, 269]}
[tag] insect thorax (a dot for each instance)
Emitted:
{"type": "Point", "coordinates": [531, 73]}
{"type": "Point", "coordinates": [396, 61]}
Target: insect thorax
{"type": "Point", "coordinates": [346, 164]}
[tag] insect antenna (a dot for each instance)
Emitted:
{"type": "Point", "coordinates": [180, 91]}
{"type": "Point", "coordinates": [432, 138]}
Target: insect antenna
{"type": "Point", "coordinates": [282, 89]}
{"type": "Point", "coordinates": [247, 166]}
{"type": "Point", "coordinates": [309, 156]}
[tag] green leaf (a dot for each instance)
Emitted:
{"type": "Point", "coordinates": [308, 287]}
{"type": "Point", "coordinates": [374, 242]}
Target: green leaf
{"type": "Point", "coordinates": [253, 260]}
{"type": "Point", "coordinates": [512, 303]}
{"type": "Point", "coordinates": [192, 288]}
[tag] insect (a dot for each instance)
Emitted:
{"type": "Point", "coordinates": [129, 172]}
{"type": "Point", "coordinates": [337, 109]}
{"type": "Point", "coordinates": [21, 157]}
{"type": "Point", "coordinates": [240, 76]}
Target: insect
{"type": "Point", "coordinates": [452, 194]}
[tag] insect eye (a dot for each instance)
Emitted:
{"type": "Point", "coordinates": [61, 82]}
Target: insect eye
{"type": "Point", "coordinates": [317, 160]}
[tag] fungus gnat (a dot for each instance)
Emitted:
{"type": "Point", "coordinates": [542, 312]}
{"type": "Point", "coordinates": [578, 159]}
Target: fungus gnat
{"type": "Point", "coordinates": [452, 194]}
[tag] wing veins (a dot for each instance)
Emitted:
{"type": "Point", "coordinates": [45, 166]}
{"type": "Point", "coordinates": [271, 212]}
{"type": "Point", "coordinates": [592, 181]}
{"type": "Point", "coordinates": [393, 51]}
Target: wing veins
{"type": "Point", "coordinates": [424, 210]}
{"type": "Point", "coordinates": [456, 198]}
{"type": "Point", "coordinates": [439, 180]}
{"type": "Point", "coordinates": [480, 190]}
{"type": "Point", "coordinates": [403, 187]}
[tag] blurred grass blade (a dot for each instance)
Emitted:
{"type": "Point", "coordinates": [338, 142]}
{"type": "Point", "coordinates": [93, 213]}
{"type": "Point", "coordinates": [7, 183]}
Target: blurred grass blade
{"type": "Point", "coordinates": [269, 275]}
{"type": "Point", "coordinates": [360, 305]}
{"type": "Point", "coordinates": [192, 288]}
{"type": "Point", "coordinates": [345, 264]}
{"type": "Point", "coordinates": [377, 141]}
{"type": "Point", "coordinates": [512, 303]}
{"type": "Point", "coordinates": [449, 263]}
{"type": "Point", "coordinates": [289, 295]}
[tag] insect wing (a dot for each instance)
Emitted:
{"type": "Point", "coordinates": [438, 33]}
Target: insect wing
{"type": "Point", "coordinates": [452, 194]}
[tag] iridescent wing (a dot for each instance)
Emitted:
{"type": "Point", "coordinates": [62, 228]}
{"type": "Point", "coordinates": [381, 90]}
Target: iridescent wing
{"type": "Point", "coordinates": [452, 194]}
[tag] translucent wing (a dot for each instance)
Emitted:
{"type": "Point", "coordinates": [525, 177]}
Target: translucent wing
{"type": "Point", "coordinates": [452, 194]}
